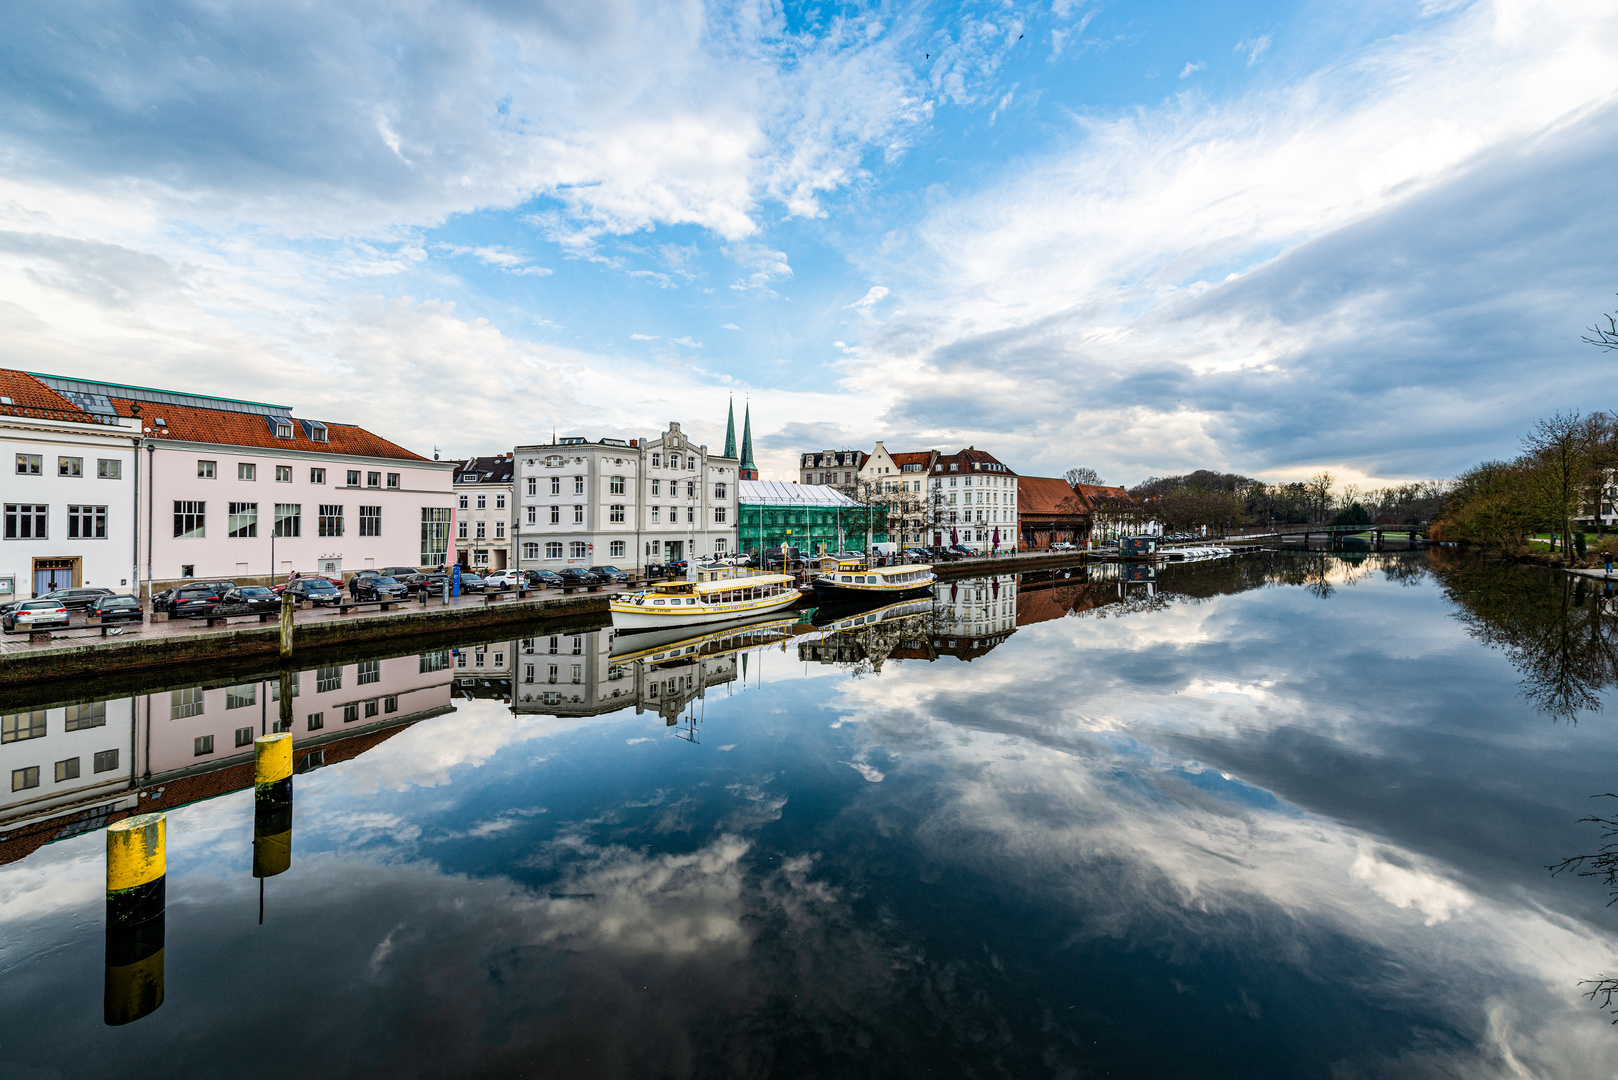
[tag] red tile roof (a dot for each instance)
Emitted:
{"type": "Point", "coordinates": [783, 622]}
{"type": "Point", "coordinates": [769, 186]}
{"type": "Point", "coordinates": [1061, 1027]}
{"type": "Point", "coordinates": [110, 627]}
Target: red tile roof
{"type": "Point", "coordinates": [1048, 496]}
{"type": "Point", "coordinates": [32, 398]}
{"type": "Point", "coordinates": [190, 424]}
{"type": "Point", "coordinates": [1094, 492]}
{"type": "Point", "coordinates": [924, 458]}
{"type": "Point", "coordinates": [970, 456]}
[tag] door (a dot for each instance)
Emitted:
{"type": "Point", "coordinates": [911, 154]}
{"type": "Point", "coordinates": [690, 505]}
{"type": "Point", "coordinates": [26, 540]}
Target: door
{"type": "Point", "coordinates": [673, 550]}
{"type": "Point", "coordinates": [52, 574]}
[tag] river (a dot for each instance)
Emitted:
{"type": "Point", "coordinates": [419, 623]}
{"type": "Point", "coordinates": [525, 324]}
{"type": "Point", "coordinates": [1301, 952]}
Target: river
{"type": "Point", "coordinates": [1283, 815]}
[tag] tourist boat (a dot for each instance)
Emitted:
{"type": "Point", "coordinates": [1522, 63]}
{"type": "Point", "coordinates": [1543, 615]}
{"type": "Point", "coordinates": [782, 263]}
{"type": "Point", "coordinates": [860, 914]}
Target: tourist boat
{"type": "Point", "coordinates": [846, 579]}
{"type": "Point", "coordinates": [719, 594]}
{"type": "Point", "coordinates": [668, 644]}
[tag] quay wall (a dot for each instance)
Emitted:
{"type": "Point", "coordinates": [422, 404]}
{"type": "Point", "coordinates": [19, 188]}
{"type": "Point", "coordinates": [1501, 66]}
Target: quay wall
{"type": "Point", "coordinates": [1005, 564]}
{"type": "Point", "coordinates": [99, 659]}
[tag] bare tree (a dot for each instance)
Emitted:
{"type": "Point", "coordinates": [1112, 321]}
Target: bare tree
{"type": "Point", "coordinates": [1603, 337]}
{"type": "Point", "coordinates": [1561, 454]}
{"type": "Point", "coordinates": [1319, 488]}
{"type": "Point", "coordinates": [1084, 476]}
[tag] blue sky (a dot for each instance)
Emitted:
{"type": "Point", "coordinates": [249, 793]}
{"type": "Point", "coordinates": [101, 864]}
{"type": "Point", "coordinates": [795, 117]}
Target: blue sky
{"type": "Point", "coordinates": [1267, 237]}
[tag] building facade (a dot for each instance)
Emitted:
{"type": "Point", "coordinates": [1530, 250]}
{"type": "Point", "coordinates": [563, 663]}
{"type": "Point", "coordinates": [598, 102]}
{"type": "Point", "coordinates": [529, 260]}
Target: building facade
{"type": "Point", "coordinates": [626, 503]}
{"type": "Point", "coordinates": [972, 501]}
{"type": "Point", "coordinates": [898, 481]}
{"type": "Point", "coordinates": [1050, 510]}
{"type": "Point", "coordinates": [70, 487]}
{"type": "Point", "coordinates": [484, 512]}
{"type": "Point", "coordinates": [839, 469]}
{"type": "Point", "coordinates": [814, 518]}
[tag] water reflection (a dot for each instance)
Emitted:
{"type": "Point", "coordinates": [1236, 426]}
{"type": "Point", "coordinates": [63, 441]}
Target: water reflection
{"type": "Point", "coordinates": [1289, 796]}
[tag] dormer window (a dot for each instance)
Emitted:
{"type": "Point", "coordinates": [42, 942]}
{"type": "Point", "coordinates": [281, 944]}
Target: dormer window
{"type": "Point", "coordinates": [317, 433]}
{"type": "Point", "coordinates": [283, 429]}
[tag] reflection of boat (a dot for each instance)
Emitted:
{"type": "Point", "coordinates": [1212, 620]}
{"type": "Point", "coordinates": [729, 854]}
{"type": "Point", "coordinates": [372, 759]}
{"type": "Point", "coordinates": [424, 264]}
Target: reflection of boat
{"type": "Point", "coordinates": [718, 595]}
{"type": "Point", "coordinates": [848, 617]}
{"type": "Point", "coordinates": [670, 643]}
{"type": "Point", "coordinates": [1202, 553]}
{"type": "Point", "coordinates": [849, 578]}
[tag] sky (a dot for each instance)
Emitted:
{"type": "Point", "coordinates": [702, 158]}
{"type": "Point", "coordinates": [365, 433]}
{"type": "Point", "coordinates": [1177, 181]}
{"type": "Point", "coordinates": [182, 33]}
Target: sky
{"type": "Point", "coordinates": [1267, 237]}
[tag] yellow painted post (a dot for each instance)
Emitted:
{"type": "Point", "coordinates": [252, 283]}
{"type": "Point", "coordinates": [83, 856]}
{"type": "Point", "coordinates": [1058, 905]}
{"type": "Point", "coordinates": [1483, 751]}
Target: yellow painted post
{"type": "Point", "coordinates": [137, 867]}
{"type": "Point", "coordinates": [286, 626]}
{"type": "Point", "coordinates": [272, 803]}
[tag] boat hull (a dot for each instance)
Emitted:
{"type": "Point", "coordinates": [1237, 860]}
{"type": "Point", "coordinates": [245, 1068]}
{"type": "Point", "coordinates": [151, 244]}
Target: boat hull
{"type": "Point", "coordinates": [844, 592]}
{"type": "Point", "coordinates": [639, 617]}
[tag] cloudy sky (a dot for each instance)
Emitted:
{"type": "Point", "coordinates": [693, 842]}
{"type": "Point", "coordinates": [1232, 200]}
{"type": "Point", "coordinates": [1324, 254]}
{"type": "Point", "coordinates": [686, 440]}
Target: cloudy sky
{"type": "Point", "coordinates": [1268, 236]}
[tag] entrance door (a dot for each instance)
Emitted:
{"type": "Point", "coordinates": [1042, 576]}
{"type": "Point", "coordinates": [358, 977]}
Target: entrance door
{"type": "Point", "coordinates": [673, 550]}
{"type": "Point", "coordinates": [52, 574]}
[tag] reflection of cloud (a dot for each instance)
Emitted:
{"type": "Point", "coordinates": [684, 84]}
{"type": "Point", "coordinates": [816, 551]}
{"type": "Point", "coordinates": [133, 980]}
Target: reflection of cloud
{"type": "Point", "coordinates": [1404, 886]}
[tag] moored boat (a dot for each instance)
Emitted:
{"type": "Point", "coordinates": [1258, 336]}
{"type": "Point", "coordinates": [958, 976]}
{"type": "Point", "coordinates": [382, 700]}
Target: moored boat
{"type": "Point", "coordinates": [717, 595]}
{"type": "Point", "coordinates": [849, 578]}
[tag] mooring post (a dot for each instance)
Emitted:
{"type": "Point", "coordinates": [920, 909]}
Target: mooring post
{"type": "Point", "coordinates": [272, 805]}
{"type": "Point", "coordinates": [137, 868]}
{"type": "Point", "coordinates": [286, 626]}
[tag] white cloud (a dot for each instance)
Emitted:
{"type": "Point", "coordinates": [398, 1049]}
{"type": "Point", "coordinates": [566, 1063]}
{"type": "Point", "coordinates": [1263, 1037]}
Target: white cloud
{"type": "Point", "coordinates": [1191, 69]}
{"type": "Point", "coordinates": [686, 341]}
{"type": "Point", "coordinates": [1254, 47]}
{"type": "Point", "coordinates": [643, 337]}
{"type": "Point", "coordinates": [730, 326]}
{"type": "Point", "coordinates": [873, 296]}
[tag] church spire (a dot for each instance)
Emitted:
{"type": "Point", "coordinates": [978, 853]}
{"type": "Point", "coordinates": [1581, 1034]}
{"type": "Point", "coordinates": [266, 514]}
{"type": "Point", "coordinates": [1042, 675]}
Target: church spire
{"type": "Point", "coordinates": [748, 470]}
{"type": "Point", "coordinates": [730, 430]}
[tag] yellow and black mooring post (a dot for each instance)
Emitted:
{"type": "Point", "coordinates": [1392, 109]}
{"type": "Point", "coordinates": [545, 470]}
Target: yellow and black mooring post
{"type": "Point", "coordinates": [137, 867]}
{"type": "Point", "coordinates": [272, 805]}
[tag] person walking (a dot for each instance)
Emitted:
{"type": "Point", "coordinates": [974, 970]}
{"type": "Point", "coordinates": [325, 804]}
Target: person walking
{"type": "Point", "coordinates": [354, 587]}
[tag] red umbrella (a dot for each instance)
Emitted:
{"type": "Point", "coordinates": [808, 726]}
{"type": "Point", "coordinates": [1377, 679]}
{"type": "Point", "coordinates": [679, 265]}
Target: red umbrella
{"type": "Point", "coordinates": [997, 538]}
{"type": "Point", "coordinates": [954, 538]}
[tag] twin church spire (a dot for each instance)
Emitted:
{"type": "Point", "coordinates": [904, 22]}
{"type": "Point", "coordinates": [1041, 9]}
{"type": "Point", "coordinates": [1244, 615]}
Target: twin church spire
{"type": "Point", "coordinates": [748, 470]}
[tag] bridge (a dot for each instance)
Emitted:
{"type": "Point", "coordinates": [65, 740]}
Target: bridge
{"type": "Point", "coordinates": [1332, 533]}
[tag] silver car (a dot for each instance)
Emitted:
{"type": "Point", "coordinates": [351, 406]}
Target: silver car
{"type": "Point", "coordinates": [35, 615]}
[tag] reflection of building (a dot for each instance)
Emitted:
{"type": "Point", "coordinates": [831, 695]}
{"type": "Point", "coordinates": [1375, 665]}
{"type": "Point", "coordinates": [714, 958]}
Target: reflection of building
{"type": "Point", "coordinates": [973, 616]}
{"type": "Point", "coordinates": [867, 639]}
{"type": "Point", "coordinates": [810, 517]}
{"type": "Point", "coordinates": [188, 743]}
{"type": "Point", "coordinates": [483, 492]}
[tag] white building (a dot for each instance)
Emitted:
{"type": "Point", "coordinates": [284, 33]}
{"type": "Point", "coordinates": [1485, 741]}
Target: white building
{"type": "Point", "coordinates": [623, 502]}
{"type": "Point", "coordinates": [69, 490]}
{"type": "Point", "coordinates": [483, 517]}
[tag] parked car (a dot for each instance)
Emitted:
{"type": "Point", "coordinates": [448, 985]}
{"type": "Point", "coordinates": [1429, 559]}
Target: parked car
{"type": "Point", "coordinates": [505, 579]}
{"type": "Point", "coordinates": [192, 600]}
{"type": "Point", "coordinates": [544, 579]}
{"type": "Point", "coordinates": [1063, 545]}
{"type": "Point", "coordinates": [113, 608]}
{"type": "Point", "coordinates": [317, 590]}
{"type": "Point", "coordinates": [575, 576]}
{"type": "Point", "coordinates": [399, 573]}
{"type": "Point", "coordinates": [377, 587]}
{"type": "Point", "coordinates": [35, 615]}
{"type": "Point", "coordinates": [622, 577]}
{"type": "Point", "coordinates": [471, 582]}
{"type": "Point", "coordinates": [77, 599]}
{"type": "Point", "coordinates": [250, 599]}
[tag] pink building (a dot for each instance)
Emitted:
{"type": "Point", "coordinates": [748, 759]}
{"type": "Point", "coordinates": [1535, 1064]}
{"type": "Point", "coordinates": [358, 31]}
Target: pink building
{"type": "Point", "coordinates": [246, 491]}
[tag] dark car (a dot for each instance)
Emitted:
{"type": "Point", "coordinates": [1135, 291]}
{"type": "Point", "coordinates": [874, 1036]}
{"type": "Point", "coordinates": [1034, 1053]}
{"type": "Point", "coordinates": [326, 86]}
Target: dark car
{"type": "Point", "coordinates": [381, 588]}
{"type": "Point", "coordinates": [399, 573]}
{"type": "Point", "coordinates": [191, 600]}
{"type": "Point", "coordinates": [545, 579]}
{"type": "Point", "coordinates": [251, 599]}
{"type": "Point", "coordinates": [316, 590]}
{"type": "Point", "coordinates": [471, 582]}
{"type": "Point", "coordinates": [575, 576]}
{"type": "Point", "coordinates": [432, 583]}
{"type": "Point", "coordinates": [116, 609]}
{"type": "Point", "coordinates": [612, 574]}
{"type": "Point", "coordinates": [77, 599]}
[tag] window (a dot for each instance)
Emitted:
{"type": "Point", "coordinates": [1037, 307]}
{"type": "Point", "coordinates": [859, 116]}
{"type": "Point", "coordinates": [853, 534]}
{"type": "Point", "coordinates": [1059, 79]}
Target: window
{"type": "Point", "coordinates": [719, 515]}
{"type": "Point", "coordinates": [533, 485]}
{"type": "Point", "coordinates": [188, 570]}
{"type": "Point", "coordinates": [528, 673]}
{"type": "Point", "coordinates": [657, 514]}
{"type": "Point", "coordinates": [84, 717]}
{"type": "Point", "coordinates": [23, 779]}
{"type": "Point", "coordinates": [556, 515]}
{"type": "Point", "coordinates": [477, 659]}
{"type": "Point", "coordinates": [719, 545]}
{"type": "Point", "coordinates": [719, 492]}
{"type": "Point", "coordinates": [530, 551]}
{"type": "Point", "coordinates": [106, 760]}
{"type": "Point", "coordinates": [205, 470]}
{"type": "Point", "coordinates": [674, 461]}
{"type": "Point", "coordinates": [241, 696]}
{"type": "Point", "coordinates": [483, 502]}
{"type": "Point", "coordinates": [243, 519]}
{"type": "Point", "coordinates": [30, 464]}
{"type": "Point", "coordinates": [67, 769]}
{"type": "Point", "coordinates": [393, 481]}
{"type": "Point", "coordinates": [184, 703]}
{"type": "Point", "coordinates": [317, 476]}
{"type": "Point", "coordinates": [533, 515]}
{"type": "Point", "coordinates": [500, 530]}
{"type": "Point", "coordinates": [283, 474]}
{"type": "Point", "coordinates": [283, 429]}
{"type": "Point", "coordinates": [69, 466]}
{"type": "Point", "coordinates": [499, 502]}
{"type": "Point", "coordinates": [657, 461]}
{"type": "Point", "coordinates": [331, 520]}
{"type": "Point", "coordinates": [16, 727]}
{"type": "Point", "coordinates": [616, 512]}
{"type": "Point", "coordinates": [434, 535]}
{"type": "Point", "coordinates": [657, 487]}
{"type": "Point", "coordinates": [190, 519]}
{"type": "Point", "coordinates": [244, 736]}
{"type": "Point", "coordinates": [553, 550]}
{"type": "Point", "coordinates": [317, 432]}
{"type": "Point", "coordinates": [390, 703]}
{"type": "Point", "coordinates": [576, 550]}
{"type": "Point", "coordinates": [578, 485]}
{"type": "Point", "coordinates": [316, 721]}
{"type": "Point", "coordinates": [275, 686]}
{"type": "Point", "coordinates": [578, 673]}
{"type": "Point", "coordinates": [289, 519]}
{"type": "Point", "coordinates": [370, 521]}
{"type": "Point", "coordinates": [109, 469]}
{"type": "Point", "coordinates": [26, 521]}
{"type": "Point", "coordinates": [462, 503]}
{"type": "Point", "coordinates": [369, 671]}
{"type": "Point", "coordinates": [353, 478]}
{"type": "Point", "coordinates": [556, 485]}
{"type": "Point", "coordinates": [351, 713]}
{"type": "Point", "coordinates": [690, 489]}
{"type": "Point", "coordinates": [617, 550]}
{"type": "Point", "coordinates": [246, 470]}
{"type": "Point", "coordinates": [578, 515]}
{"type": "Point", "coordinates": [328, 678]}
{"type": "Point", "coordinates": [373, 479]}
{"type": "Point", "coordinates": [690, 514]}
{"type": "Point", "coordinates": [615, 485]}
{"type": "Point", "coordinates": [87, 522]}
{"type": "Point", "coordinates": [434, 661]}
{"type": "Point", "coordinates": [461, 529]}
{"type": "Point", "coordinates": [201, 745]}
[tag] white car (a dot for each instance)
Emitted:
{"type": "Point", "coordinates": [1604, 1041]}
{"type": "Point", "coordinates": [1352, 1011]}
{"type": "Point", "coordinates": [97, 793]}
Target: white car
{"type": "Point", "coordinates": [35, 615]}
{"type": "Point", "coordinates": [1063, 545]}
{"type": "Point", "coordinates": [504, 579]}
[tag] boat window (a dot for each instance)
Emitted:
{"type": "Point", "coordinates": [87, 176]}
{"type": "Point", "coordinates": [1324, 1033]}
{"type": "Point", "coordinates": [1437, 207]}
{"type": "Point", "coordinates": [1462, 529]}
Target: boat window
{"type": "Point", "coordinates": [659, 603]}
{"type": "Point", "coordinates": [846, 578]}
{"type": "Point", "coordinates": [692, 600]}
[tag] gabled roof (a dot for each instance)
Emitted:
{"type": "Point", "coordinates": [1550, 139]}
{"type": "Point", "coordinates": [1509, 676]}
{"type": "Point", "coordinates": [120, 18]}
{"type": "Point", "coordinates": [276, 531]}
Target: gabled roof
{"type": "Point", "coordinates": [965, 459]}
{"type": "Point", "coordinates": [1048, 496]}
{"type": "Point", "coordinates": [924, 458]}
{"type": "Point", "coordinates": [186, 424]}
{"type": "Point", "coordinates": [1094, 492]}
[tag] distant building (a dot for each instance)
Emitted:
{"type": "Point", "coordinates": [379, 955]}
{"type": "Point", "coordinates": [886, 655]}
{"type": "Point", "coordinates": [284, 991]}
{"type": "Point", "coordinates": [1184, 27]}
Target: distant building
{"type": "Point", "coordinates": [814, 518]}
{"type": "Point", "coordinates": [839, 469]}
{"type": "Point", "coordinates": [483, 497]}
{"type": "Point", "coordinates": [1049, 510]}
{"type": "Point", "coordinates": [899, 482]}
{"type": "Point", "coordinates": [973, 501]}
{"type": "Point", "coordinates": [1105, 504]}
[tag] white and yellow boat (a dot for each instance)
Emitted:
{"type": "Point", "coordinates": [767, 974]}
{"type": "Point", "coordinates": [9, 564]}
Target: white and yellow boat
{"type": "Point", "coordinates": [849, 579]}
{"type": "Point", "coordinates": [712, 596]}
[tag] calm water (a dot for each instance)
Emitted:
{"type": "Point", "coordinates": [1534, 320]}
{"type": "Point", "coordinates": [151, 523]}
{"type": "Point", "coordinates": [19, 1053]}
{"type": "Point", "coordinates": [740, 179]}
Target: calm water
{"type": "Point", "coordinates": [1288, 815]}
